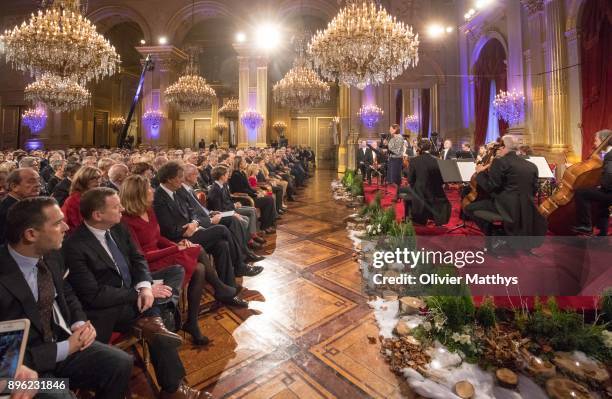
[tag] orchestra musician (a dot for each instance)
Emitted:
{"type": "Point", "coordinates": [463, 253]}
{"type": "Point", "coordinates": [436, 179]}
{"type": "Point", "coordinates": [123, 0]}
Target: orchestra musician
{"type": "Point", "coordinates": [379, 161]}
{"type": "Point", "coordinates": [364, 161]}
{"type": "Point", "coordinates": [512, 183]}
{"type": "Point", "coordinates": [427, 199]}
{"type": "Point", "coordinates": [396, 155]}
{"type": "Point", "coordinates": [448, 152]}
{"type": "Point", "coordinates": [599, 197]}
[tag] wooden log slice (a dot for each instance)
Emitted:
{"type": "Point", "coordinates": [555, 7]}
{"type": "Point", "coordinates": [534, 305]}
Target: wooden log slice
{"type": "Point", "coordinates": [464, 389]}
{"type": "Point", "coordinates": [506, 378]}
{"type": "Point", "coordinates": [591, 371]}
{"type": "Point", "coordinates": [563, 388]}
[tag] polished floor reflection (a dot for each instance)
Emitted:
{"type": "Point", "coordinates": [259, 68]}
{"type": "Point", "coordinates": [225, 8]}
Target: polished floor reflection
{"type": "Point", "coordinates": [305, 334]}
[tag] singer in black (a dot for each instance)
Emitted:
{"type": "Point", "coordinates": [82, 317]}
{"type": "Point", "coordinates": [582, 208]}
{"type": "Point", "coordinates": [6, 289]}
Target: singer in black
{"type": "Point", "coordinates": [396, 155]}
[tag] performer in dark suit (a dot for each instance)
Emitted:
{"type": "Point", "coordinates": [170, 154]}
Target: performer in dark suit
{"type": "Point", "coordinates": [61, 342]}
{"type": "Point", "coordinates": [512, 182]}
{"type": "Point", "coordinates": [112, 280]}
{"type": "Point", "coordinates": [395, 159]}
{"type": "Point", "coordinates": [364, 161]}
{"type": "Point", "coordinates": [427, 199]}
{"type": "Point", "coordinates": [600, 197]}
{"type": "Point", "coordinates": [448, 152]}
{"type": "Point", "coordinates": [466, 152]}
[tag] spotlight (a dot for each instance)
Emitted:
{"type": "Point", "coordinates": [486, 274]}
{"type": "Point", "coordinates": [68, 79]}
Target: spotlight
{"type": "Point", "coordinates": [435, 30]}
{"type": "Point", "coordinates": [480, 4]}
{"type": "Point", "coordinates": [163, 40]}
{"type": "Point", "coordinates": [449, 29]}
{"type": "Point", "coordinates": [143, 42]}
{"type": "Point", "coordinates": [240, 37]}
{"type": "Point", "coordinates": [267, 36]}
{"type": "Point", "coordinates": [466, 15]}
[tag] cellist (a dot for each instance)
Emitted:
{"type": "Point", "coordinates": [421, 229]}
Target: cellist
{"type": "Point", "coordinates": [600, 197]}
{"type": "Point", "coordinates": [512, 183]}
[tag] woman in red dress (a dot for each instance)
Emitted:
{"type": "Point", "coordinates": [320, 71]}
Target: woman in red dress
{"type": "Point", "coordinates": [86, 178]}
{"type": "Point", "coordinates": [137, 199]}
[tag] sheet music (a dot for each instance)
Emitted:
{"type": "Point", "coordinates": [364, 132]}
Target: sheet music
{"type": "Point", "coordinates": [544, 171]}
{"type": "Point", "coordinates": [466, 170]}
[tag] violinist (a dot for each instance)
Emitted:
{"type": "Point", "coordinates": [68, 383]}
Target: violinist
{"type": "Point", "coordinates": [599, 197]}
{"type": "Point", "coordinates": [512, 183]}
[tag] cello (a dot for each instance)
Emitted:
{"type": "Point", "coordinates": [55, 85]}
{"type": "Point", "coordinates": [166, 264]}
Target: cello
{"type": "Point", "coordinates": [487, 160]}
{"type": "Point", "coordinates": [560, 208]}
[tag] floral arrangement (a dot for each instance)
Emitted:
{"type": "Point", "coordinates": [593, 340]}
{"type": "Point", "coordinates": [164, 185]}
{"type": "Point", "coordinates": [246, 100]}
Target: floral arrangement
{"type": "Point", "coordinates": [280, 127]}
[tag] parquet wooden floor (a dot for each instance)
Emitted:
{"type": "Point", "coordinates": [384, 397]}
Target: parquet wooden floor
{"type": "Point", "coordinates": [305, 332]}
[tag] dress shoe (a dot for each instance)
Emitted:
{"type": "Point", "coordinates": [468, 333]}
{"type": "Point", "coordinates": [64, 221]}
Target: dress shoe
{"type": "Point", "coordinates": [270, 230]}
{"type": "Point", "coordinates": [582, 229]}
{"type": "Point", "coordinates": [152, 328]}
{"type": "Point", "coordinates": [253, 257]}
{"type": "Point", "coordinates": [184, 391]}
{"type": "Point", "coordinates": [234, 301]}
{"type": "Point", "coordinates": [196, 334]}
{"type": "Point", "coordinates": [253, 270]}
{"type": "Point", "coordinates": [280, 211]}
{"type": "Point", "coordinates": [259, 239]}
{"type": "Point", "coordinates": [254, 245]}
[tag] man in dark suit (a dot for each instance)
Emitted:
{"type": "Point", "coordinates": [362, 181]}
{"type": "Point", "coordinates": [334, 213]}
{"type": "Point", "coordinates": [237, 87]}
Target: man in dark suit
{"type": "Point", "coordinates": [427, 199]}
{"type": "Point", "coordinates": [364, 161]}
{"type": "Point", "coordinates": [600, 197]}
{"type": "Point", "coordinates": [178, 221]}
{"type": "Point", "coordinates": [21, 183]}
{"type": "Point", "coordinates": [62, 190]}
{"type": "Point", "coordinates": [58, 174]}
{"type": "Point", "coordinates": [113, 282]}
{"type": "Point", "coordinates": [512, 182]}
{"type": "Point", "coordinates": [61, 342]}
{"type": "Point", "coordinates": [448, 152]}
{"type": "Point", "coordinates": [466, 152]}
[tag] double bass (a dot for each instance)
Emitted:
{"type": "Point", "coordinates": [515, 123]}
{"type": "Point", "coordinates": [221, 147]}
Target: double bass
{"type": "Point", "coordinates": [560, 208]}
{"type": "Point", "coordinates": [486, 161]}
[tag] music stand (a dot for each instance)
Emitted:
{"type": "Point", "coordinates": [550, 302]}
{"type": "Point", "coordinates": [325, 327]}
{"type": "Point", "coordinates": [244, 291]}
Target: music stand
{"type": "Point", "coordinates": [460, 171]}
{"type": "Point", "coordinates": [544, 171]}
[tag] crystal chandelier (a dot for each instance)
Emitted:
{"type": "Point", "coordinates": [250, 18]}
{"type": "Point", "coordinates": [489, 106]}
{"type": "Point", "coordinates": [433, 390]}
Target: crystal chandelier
{"type": "Point", "coordinates": [363, 45]}
{"type": "Point", "coordinates": [229, 110]}
{"type": "Point", "coordinates": [35, 119]}
{"type": "Point", "coordinates": [411, 122]}
{"type": "Point", "coordinates": [509, 106]}
{"type": "Point", "coordinates": [59, 40]}
{"type": "Point", "coordinates": [153, 117]}
{"type": "Point", "coordinates": [58, 94]}
{"type": "Point", "coordinates": [117, 123]}
{"type": "Point", "coordinates": [191, 93]}
{"type": "Point", "coordinates": [220, 127]}
{"type": "Point", "coordinates": [370, 115]}
{"type": "Point", "coordinates": [251, 119]}
{"type": "Point", "coordinates": [301, 87]}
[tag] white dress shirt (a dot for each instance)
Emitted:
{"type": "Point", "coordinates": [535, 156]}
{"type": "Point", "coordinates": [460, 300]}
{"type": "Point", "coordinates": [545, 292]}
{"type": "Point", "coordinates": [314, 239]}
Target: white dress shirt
{"type": "Point", "coordinates": [101, 237]}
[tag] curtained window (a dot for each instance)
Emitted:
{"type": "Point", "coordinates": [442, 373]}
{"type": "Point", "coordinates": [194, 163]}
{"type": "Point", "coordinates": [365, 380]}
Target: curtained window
{"type": "Point", "coordinates": [596, 68]}
{"type": "Point", "coordinates": [492, 125]}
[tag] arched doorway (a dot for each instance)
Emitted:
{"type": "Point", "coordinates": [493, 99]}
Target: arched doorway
{"type": "Point", "coordinates": [489, 78]}
{"type": "Point", "coordinates": [596, 70]}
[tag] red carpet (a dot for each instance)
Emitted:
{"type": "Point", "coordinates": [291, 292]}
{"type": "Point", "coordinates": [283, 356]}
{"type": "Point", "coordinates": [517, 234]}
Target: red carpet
{"type": "Point", "coordinates": [533, 270]}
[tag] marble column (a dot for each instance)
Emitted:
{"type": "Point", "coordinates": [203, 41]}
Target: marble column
{"type": "Point", "coordinates": [534, 62]}
{"type": "Point", "coordinates": [168, 62]}
{"type": "Point", "coordinates": [243, 97]}
{"type": "Point", "coordinates": [515, 76]}
{"type": "Point", "coordinates": [344, 108]}
{"type": "Point", "coordinates": [556, 107]}
{"type": "Point", "coordinates": [574, 91]}
{"type": "Point", "coordinates": [262, 102]}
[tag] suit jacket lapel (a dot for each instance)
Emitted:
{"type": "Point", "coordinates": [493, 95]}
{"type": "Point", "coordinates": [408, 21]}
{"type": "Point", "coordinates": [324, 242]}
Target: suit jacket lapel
{"type": "Point", "coordinates": [14, 282]}
{"type": "Point", "coordinates": [94, 244]}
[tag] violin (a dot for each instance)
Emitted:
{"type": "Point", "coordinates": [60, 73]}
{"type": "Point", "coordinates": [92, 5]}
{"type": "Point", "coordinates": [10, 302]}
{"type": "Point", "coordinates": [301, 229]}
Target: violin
{"type": "Point", "coordinates": [560, 208]}
{"type": "Point", "coordinates": [475, 194]}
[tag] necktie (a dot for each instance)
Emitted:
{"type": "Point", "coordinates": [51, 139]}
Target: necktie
{"type": "Point", "coordinates": [46, 296]}
{"type": "Point", "coordinates": [119, 259]}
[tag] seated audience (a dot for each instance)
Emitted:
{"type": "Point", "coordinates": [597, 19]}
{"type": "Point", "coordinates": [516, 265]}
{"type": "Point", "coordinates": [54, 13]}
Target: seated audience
{"type": "Point", "coordinates": [61, 341]}
{"type": "Point", "coordinates": [61, 191]}
{"type": "Point", "coordinates": [238, 183]}
{"type": "Point", "coordinates": [21, 183]}
{"type": "Point", "coordinates": [137, 198]}
{"type": "Point", "coordinates": [57, 166]}
{"type": "Point", "coordinates": [116, 175]}
{"type": "Point", "coordinates": [113, 282]}
{"type": "Point", "coordinates": [86, 178]}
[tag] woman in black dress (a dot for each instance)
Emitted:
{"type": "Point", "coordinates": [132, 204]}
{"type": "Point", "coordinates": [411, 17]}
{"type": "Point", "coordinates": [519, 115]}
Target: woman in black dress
{"type": "Point", "coordinates": [238, 183]}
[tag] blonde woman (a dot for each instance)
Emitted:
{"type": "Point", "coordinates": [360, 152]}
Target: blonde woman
{"type": "Point", "coordinates": [84, 179]}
